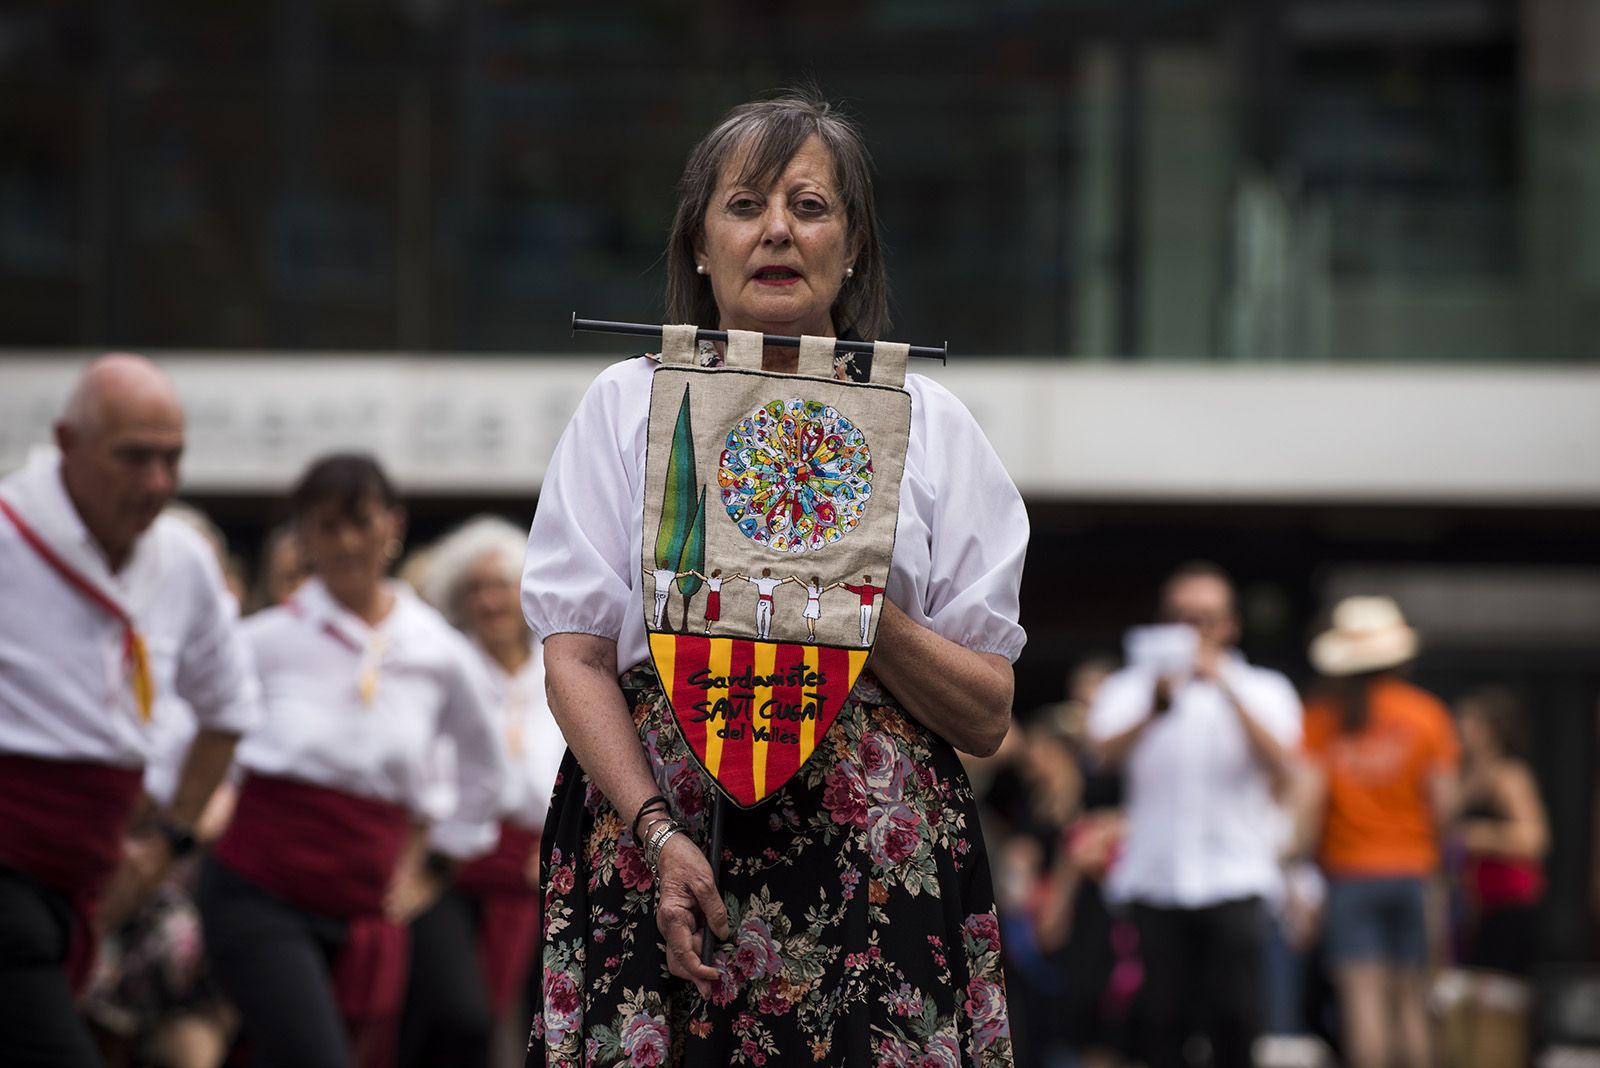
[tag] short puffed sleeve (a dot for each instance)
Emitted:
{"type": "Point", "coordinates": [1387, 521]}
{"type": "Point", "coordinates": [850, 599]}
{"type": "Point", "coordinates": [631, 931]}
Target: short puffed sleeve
{"type": "Point", "coordinates": [576, 578]}
{"type": "Point", "coordinates": [958, 496]}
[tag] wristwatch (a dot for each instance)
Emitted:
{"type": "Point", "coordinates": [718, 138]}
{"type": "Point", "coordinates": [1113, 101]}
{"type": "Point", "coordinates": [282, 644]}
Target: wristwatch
{"type": "Point", "coordinates": [439, 865]}
{"type": "Point", "coordinates": [180, 840]}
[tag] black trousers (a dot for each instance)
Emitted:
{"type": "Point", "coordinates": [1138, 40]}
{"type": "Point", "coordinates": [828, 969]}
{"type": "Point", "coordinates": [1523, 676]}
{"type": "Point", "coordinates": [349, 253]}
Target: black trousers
{"type": "Point", "coordinates": [39, 1022]}
{"type": "Point", "coordinates": [446, 1019]}
{"type": "Point", "coordinates": [275, 963]}
{"type": "Point", "coordinates": [1202, 973]}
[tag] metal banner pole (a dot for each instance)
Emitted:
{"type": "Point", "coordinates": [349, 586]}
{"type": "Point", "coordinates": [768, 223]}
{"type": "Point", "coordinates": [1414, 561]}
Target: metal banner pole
{"type": "Point", "coordinates": [708, 940]}
{"type": "Point", "coordinates": [604, 326]}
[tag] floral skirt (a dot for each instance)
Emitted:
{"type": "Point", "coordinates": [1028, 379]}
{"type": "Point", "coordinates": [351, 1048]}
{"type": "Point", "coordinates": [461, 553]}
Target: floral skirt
{"type": "Point", "coordinates": [153, 969]}
{"type": "Point", "coordinates": [862, 918]}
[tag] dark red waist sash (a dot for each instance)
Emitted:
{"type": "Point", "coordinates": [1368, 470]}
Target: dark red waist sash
{"type": "Point", "coordinates": [332, 853]}
{"type": "Point", "coordinates": [509, 929]}
{"type": "Point", "coordinates": [322, 850]}
{"type": "Point", "coordinates": [505, 868]}
{"type": "Point", "coordinates": [62, 821]}
{"type": "Point", "coordinates": [61, 824]}
{"type": "Point", "coordinates": [1499, 882]}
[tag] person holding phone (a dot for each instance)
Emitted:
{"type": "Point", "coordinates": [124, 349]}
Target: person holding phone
{"type": "Point", "coordinates": [1204, 740]}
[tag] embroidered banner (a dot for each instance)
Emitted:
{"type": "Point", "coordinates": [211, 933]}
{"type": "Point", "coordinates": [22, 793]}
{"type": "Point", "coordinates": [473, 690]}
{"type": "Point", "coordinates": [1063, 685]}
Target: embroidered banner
{"type": "Point", "coordinates": [770, 509]}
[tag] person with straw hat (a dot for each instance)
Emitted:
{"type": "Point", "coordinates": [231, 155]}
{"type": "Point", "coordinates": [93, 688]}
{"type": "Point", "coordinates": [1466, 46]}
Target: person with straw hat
{"type": "Point", "coordinates": [1385, 756]}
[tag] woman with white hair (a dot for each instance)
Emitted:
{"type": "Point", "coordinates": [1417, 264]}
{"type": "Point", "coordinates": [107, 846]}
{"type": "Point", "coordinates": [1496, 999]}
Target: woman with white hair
{"type": "Point", "coordinates": [472, 950]}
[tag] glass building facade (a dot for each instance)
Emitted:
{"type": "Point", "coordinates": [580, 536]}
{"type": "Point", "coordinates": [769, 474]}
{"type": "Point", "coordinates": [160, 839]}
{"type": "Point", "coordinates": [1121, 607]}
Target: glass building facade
{"type": "Point", "coordinates": [1173, 179]}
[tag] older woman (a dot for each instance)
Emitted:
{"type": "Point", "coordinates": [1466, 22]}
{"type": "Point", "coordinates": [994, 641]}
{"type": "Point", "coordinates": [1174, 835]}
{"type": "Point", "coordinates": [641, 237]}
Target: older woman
{"type": "Point", "coordinates": [854, 908]}
{"type": "Point", "coordinates": [471, 952]}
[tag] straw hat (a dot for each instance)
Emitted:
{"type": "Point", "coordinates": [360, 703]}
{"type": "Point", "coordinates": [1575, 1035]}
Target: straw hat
{"type": "Point", "coordinates": [1368, 634]}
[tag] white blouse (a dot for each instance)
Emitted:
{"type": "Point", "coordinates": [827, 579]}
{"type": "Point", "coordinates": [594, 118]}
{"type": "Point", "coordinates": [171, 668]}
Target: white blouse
{"type": "Point", "coordinates": [532, 737]}
{"type": "Point", "coordinates": [359, 708]}
{"type": "Point", "coordinates": [534, 748]}
{"type": "Point", "coordinates": [958, 551]}
{"type": "Point", "coordinates": [65, 682]}
{"type": "Point", "coordinates": [1201, 816]}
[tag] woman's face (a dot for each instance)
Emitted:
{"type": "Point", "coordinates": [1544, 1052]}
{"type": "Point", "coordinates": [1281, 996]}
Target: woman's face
{"type": "Point", "coordinates": [350, 549]}
{"type": "Point", "coordinates": [776, 257]}
{"type": "Point", "coordinates": [488, 604]}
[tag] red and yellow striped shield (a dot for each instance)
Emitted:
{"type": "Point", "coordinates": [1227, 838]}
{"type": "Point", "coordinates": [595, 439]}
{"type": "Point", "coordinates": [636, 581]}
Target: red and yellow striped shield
{"type": "Point", "coordinates": [753, 712]}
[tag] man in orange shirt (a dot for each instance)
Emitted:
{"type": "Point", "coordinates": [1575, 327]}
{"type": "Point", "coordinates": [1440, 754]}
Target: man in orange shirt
{"type": "Point", "coordinates": [1386, 752]}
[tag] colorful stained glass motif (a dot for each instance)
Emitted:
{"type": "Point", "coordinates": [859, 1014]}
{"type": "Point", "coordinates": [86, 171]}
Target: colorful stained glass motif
{"type": "Point", "coordinates": [795, 475]}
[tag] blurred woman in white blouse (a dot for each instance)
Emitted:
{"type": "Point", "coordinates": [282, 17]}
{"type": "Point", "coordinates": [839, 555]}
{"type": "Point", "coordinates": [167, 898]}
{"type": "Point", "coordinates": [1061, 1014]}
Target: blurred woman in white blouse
{"type": "Point", "coordinates": [307, 895]}
{"type": "Point", "coordinates": [471, 951]}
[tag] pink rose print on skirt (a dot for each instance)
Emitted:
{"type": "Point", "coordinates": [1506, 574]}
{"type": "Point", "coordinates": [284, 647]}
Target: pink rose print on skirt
{"type": "Point", "coordinates": [562, 1006]}
{"type": "Point", "coordinates": [984, 930]}
{"type": "Point", "coordinates": [893, 1053]}
{"type": "Point", "coordinates": [845, 795]}
{"type": "Point", "coordinates": [755, 954]}
{"type": "Point", "coordinates": [881, 766]}
{"type": "Point", "coordinates": [632, 868]}
{"type": "Point", "coordinates": [646, 1040]}
{"type": "Point", "coordinates": [986, 1008]}
{"type": "Point", "coordinates": [893, 835]}
{"type": "Point", "coordinates": [943, 1051]}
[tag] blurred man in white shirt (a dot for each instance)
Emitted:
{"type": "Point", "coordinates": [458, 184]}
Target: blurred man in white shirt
{"type": "Point", "coordinates": [106, 612]}
{"type": "Point", "coordinates": [1203, 746]}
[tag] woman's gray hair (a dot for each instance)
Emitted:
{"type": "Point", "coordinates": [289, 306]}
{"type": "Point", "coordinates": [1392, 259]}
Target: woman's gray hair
{"type": "Point", "coordinates": [769, 133]}
{"type": "Point", "coordinates": [460, 550]}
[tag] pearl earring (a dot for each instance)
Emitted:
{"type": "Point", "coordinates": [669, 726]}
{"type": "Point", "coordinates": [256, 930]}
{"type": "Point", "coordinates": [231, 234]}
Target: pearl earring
{"type": "Point", "coordinates": [699, 268]}
{"type": "Point", "coordinates": [849, 273]}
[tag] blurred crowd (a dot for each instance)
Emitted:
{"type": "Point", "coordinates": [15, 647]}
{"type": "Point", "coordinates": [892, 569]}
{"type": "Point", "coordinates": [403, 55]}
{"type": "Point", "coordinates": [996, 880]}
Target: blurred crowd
{"type": "Point", "coordinates": [153, 998]}
{"type": "Point", "coordinates": [1366, 885]}
{"type": "Point", "coordinates": [1198, 865]}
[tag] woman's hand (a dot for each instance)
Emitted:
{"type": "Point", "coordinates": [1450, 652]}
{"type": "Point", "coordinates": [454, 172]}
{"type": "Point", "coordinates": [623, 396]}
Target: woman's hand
{"type": "Point", "coordinates": [146, 860]}
{"type": "Point", "coordinates": [685, 895]}
{"type": "Point", "coordinates": [412, 891]}
{"type": "Point", "coordinates": [581, 680]}
{"type": "Point", "coordinates": [414, 886]}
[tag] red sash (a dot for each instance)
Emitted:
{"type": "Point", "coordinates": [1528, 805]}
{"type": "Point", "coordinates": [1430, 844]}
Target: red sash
{"type": "Point", "coordinates": [509, 931]}
{"type": "Point", "coordinates": [61, 824]}
{"type": "Point", "coordinates": [332, 853]}
{"type": "Point", "coordinates": [1500, 883]}
{"type": "Point", "coordinates": [133, 648]}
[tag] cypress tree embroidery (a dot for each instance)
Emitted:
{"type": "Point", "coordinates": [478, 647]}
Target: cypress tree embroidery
{"type": "Point", "coordinates": [693, 559]}
{"type": "Point", "coordinates": [680, 505]}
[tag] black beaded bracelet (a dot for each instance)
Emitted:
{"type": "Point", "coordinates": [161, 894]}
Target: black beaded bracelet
{"type": "Point", "coordinates": [439, 865]}
{"type": "Point", "coordinates": [657, 803]}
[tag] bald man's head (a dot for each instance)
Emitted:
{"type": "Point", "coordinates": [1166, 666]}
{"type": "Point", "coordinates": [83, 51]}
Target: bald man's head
{"type": "Point", "coordinates": [121, 437]}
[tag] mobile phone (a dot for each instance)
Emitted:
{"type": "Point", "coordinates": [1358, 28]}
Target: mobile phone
{"type": "Point", "coordinates": [1162, 649]}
